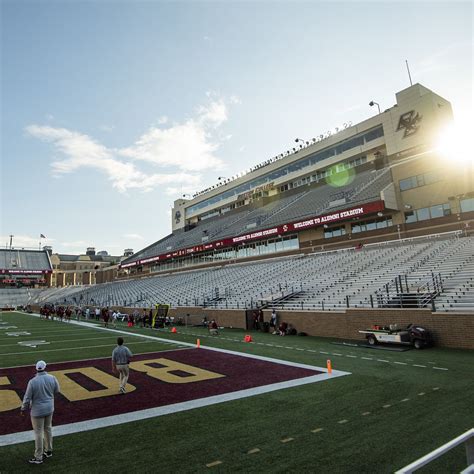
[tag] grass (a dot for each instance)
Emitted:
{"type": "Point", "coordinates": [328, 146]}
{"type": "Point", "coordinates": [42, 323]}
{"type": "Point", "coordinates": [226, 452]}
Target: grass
{"type": "Point", "coordinates": [389, 424]}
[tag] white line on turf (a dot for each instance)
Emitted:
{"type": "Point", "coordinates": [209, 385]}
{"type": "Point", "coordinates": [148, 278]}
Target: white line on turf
{"type": "Point", "coordinates": [68, 349]}
{"type": "Point", "coordinates": [65, 340]}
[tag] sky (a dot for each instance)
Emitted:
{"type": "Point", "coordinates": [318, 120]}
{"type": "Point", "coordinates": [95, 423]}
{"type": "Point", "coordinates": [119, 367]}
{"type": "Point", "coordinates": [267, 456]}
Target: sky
{"type": "Point", "coordinates": [111, 110]}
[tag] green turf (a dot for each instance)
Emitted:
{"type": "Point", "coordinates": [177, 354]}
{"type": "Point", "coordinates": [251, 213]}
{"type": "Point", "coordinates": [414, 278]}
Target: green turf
{"type": "Point", "coordinates": [382, 441]}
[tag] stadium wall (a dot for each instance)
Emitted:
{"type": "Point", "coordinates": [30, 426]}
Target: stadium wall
{"type": "Point", "coordinates": [453, 330]}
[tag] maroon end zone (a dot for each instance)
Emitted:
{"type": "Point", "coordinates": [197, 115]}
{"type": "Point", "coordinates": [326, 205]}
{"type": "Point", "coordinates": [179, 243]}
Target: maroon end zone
{"type": "Point", "coordinates": [236, 373]}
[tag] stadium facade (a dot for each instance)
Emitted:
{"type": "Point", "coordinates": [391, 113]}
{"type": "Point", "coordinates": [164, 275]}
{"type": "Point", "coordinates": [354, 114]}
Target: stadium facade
{"type": "Point", "coordinates": [380, 179]}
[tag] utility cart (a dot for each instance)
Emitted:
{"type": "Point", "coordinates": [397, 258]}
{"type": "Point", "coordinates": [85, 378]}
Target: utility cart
{"type": "Point", "coordinates": [413, 335]}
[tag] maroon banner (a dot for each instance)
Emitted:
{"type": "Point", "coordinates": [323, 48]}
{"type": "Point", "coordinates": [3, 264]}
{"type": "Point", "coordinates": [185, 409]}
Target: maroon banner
{"type": "Point", "coordinates": [24, 272]}
{"type": "Point", "coordinates": [336, 216]}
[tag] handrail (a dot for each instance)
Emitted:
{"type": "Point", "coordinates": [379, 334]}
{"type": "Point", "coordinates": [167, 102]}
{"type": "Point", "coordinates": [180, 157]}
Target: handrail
{"type": "Point", "coordinates": [467, 438]}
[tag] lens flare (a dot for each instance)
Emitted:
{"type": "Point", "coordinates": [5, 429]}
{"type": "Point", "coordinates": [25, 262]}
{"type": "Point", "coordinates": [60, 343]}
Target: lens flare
{"type": "Point", "coordinates": [453, 144]}
{"type": "Point", "coordinates": [341, 178]}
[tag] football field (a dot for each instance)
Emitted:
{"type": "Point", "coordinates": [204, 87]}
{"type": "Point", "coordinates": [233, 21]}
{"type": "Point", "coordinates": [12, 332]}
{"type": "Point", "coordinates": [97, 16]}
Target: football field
{"type": "Point", "coordinates": [231, 406]}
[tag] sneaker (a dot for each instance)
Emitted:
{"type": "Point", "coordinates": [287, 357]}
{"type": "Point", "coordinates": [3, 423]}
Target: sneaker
{"type": "Point", "coordinates": [48, 454]}
{"type": "Point", "coordinates": [35, 461]}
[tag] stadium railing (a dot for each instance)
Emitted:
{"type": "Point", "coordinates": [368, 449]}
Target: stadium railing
{"type": "Point", "coordinates": [467, 438]}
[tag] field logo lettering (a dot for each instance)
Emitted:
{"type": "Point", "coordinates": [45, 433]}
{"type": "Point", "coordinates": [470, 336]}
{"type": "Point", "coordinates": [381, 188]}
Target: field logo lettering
{"type": "Point", "coordinates": [186, 373]}
{"type": "Point", "coordinates": [75, 392]}
{"type": "Point", "coordinates": [9, 400]}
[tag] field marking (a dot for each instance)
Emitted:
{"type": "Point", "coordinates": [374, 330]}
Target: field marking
{"type": "Point", "coordinates": [400, 363]}
{"type": "Point", "coordinates": [317, 430]}
{"type": "Point", "coordinates": [421, 394]}
{"type": "Point", "coordinates": [287, 440]}
{"type": "Point", "coordinates": [440, 368]}
{"type": "Point", "coordinates": [85, 360]}
{"type": "Point", "coordinates": [435, 388]}
{"type": "Point", "coordinates": [68, 349]}
{"type": "Point", "coordinates": [97, 423]}
{"type": "Point", "coordinates": [213, 464]}
{"type": "Point", "coordinates": [88, 425]}
{"type": "Point", "coordinates": [366, 413]}
{"type": "Point", "coordinates": [67, 340]}
{"type": "Point", "coordinates": [418, 365]}
{"type": "Point", "coordinates": [387, 406]}
{"type": "Point", "coordinates": [382, 360]}
{"type": "Point", "coordinates": [351, 356]}
{"type": "Point", "coordinates": [253, 451]}
{"type": "Point", "coordinates": [367, 358]}
{"type": "Point", "coordinates": [405, 400]}
{"type": "Point", "coordinates": [342, 422]}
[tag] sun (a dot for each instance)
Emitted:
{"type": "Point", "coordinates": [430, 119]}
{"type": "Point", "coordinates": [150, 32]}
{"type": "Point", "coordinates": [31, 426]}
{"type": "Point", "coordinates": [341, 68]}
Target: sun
{"type": "Point", "coordinates": [454, 143]}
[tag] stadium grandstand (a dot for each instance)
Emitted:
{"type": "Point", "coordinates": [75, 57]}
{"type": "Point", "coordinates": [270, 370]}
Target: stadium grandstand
{"type": "Point", "coordinates": [379, 180]}
{"type": "Point", "coordinates": [368, 216]}
{"type": "Point", "coordinates": [21, 271]}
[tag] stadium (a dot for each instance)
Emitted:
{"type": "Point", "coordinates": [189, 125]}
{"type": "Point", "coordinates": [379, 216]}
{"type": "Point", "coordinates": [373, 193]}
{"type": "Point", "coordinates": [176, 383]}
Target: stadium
{"type": "Point", "coordinates": [368, 227]}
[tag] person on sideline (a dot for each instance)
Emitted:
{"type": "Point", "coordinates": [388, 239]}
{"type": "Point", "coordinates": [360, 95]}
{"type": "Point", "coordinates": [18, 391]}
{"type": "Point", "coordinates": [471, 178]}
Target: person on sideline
{"type": "Point", "coordinates": [273, 320]}
{"type": "Point", "coordinates": [39, 397]}
{"type": "Point", "coordinates": [213, 328]}
{"type": "Point", "coordinates": [121, 357]}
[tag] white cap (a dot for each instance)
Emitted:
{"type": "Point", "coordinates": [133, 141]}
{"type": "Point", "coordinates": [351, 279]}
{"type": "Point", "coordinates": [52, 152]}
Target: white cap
{"type": "Point", "coordinates": [40, 365]}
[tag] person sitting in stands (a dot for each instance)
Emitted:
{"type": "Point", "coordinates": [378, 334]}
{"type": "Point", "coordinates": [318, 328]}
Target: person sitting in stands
{"type": "Point", "coordinates": [213, 328]}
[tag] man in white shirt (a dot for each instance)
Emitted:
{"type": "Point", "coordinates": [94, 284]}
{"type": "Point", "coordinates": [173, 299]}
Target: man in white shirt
{"type": "Point", "coordinates": [39, 397]}
{"type": "Point", "coordinates": [114, 318]}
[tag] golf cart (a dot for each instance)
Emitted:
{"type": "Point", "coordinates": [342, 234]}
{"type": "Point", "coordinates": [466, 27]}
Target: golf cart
{"type": "Point", "coordinates": [413, 335]}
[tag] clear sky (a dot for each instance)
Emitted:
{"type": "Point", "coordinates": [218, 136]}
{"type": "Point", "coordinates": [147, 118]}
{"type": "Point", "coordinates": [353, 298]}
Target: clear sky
{"type": "Point", "coordinates": [113, 109]}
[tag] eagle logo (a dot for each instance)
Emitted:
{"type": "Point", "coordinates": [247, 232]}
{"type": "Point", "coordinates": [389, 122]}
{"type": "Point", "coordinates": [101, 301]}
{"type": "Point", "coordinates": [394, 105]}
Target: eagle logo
{"type": "Point", "coordinates": [410, 123]}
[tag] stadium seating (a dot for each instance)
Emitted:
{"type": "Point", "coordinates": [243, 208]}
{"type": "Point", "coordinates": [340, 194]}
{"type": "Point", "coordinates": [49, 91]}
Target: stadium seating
{"type": "Point", "coordinates": [326, 280]}
{"type": "Point", "coordinates": [24, 259]}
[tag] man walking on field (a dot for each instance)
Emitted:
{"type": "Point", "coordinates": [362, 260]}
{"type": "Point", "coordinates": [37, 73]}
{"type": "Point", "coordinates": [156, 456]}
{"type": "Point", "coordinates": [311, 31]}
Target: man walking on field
{"type": "Point", "coordinates": [39, 397]}
{"type": "Point", "coordinates": [121, 357]}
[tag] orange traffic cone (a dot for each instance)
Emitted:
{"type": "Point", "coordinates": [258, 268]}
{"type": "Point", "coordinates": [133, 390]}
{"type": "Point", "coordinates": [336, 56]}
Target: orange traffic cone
{"type": "Point", "coordinates": [329, 366]}
{"type": "Point", "coordinates": [173, 330]}
{"type": "Point", "coordinates": [198, 343]}
{"type": "Point", "coordinates": [248, 338]}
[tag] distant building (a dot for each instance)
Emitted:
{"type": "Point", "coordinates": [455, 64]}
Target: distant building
{"type": "Point", "coordinates": [80, 269]}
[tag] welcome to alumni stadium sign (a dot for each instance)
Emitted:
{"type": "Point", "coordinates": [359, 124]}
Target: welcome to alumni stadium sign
{"type": "Point", "coordinates": [336, 216]}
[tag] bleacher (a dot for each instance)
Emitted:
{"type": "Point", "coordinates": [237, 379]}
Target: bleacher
{"type": "Point", "coordinates": [19, 259]}
{"type": "Point", "coordinates": [365, 186]}
{"type": "Point", "coordinates": [331, 280]}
